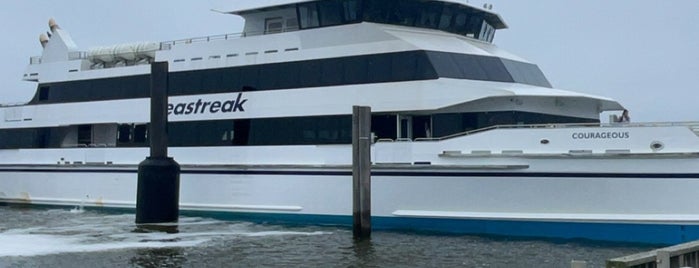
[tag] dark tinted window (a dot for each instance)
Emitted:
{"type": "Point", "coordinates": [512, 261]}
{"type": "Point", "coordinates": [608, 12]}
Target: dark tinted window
{"type": "Point", "coordinates": [332, 72]}
{"type": "Point", "coordinates": [429, 16]}
{"type": "Point", "coordinates": [351, 10]}
{"type": "Point", "coordinates": [444, 64]}
{"type": "Point", "coordinates": [310, 74]}
{"type": "Point", "coordinates": [43, 93]}
{"type": "Point", "coordinates": [356, 70]}
{"type": "Point", "coordinates": [526, 73]}
{"type": "Point", "coordinates": [364, 69]}
{"type": "Point", "coordinates": [281, 131]}
{"type": "Point", "coordinates": [379, 67]}
{"type": "Point", "coordinates": [301, 131]}
{"type": "Point", "coordinates": [494, 69]}
{"type": "Point", "coordinates": [308, 15]}
{"type": "Point", "coordinates": [378, 10]}
{"type": "Point", "coordinates": [330, 12]}
{"type": "Point", "coordinates": [470, 67]}
{"type": "Point", "coordinates": [201, 133]}
{"type": "Point", "coordinates": [450, 124]}
{"type": "Point", "coordinates": [124, 133]}
{"type": "Point", "coordinates": [17, 138]}
{"type": "Point", "coordinates": [140, 134]}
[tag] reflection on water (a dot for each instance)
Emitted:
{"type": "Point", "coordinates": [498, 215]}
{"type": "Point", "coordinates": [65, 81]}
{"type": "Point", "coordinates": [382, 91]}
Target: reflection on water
{"type": "Point", "coordinates": [59, 238]}
{"type": "Point", "coordinates": [363, 251]}
{"type": "Point", "coordinates": [162, 257]}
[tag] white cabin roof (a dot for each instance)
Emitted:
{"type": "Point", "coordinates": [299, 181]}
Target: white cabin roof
{"type": "Point", "coordinates": [242, 6]}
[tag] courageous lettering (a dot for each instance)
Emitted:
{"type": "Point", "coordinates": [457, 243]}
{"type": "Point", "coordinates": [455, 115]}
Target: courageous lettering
{"type": "Point", "coordinates": [600, 135]}
{"type": "Point", "coordinates": [212, 107]}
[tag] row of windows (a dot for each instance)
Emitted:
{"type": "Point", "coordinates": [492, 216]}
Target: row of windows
{"type": "Point", "coordinates": [279, 131]}
{"type": "Point", "coordinates": [258, 132]}
{"type": "Point", "coordinates": [328, 13]}
{"type": "Point", "coordinates": [449, 124]}
{"type": "Point", "coordinates": [365, 69]}
{"type": "Point", "coordinates": [423, 14]}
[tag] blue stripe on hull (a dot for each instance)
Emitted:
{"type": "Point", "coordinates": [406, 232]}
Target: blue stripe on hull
{"type": "Point", "coordinates": [612, 232]}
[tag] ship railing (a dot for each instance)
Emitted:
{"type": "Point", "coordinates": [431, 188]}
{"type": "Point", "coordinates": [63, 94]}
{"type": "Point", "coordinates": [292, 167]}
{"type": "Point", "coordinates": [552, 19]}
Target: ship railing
{"type": "Point", "coordinates": [81, 55]}
{"type": "Point", "coordinates": [202, 39]}
{"type": "Point", "coordinates": [694, 126]}
{"type": "Point", "coordinates": [75, 55]}
{"type": "Point", "coordinates": [35, 60]}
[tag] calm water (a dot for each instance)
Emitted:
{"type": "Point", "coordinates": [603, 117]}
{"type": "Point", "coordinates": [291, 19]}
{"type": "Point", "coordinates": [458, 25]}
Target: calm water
{"type": "Point", "coordinates": [69, 238]}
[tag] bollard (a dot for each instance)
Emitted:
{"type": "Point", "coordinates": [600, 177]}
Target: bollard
{"type": "Point", "coordinates": [361, 172]}
{"type": "Point", "coordinates": [158, 195]}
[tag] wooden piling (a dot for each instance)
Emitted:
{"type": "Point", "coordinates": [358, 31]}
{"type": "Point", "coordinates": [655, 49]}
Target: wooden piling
{"type": "Point", "coordinates": [361, 171]}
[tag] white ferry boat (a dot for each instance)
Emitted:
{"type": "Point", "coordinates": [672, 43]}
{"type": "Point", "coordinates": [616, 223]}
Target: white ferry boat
{"type": "Point", "coordinates": [469, 138]}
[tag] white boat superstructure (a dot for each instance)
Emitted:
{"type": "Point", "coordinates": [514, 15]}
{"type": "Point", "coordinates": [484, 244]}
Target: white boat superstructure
{"type": "Point", "coordinates": [469, 138]}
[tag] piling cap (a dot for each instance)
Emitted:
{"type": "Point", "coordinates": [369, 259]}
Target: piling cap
{"type": "Point", "coordinates": [53, 25]}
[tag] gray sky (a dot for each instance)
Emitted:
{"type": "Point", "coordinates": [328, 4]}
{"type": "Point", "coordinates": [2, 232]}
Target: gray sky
{"type": "Point", "coordinates": [642, 53]}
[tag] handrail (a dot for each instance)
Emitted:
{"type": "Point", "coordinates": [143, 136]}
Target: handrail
{"type": "Point", "coordinates": [690, 125]}
{"type": "Point", "coordinates": [222, 37]}
{"type": "Point", "coordinates": [167, 45]}
{"type": "Point", "coordinates": [694, 126]}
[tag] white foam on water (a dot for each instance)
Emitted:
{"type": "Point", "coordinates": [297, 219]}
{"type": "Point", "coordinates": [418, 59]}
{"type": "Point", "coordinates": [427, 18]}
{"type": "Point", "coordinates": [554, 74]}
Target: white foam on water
{"type": "Point", "coordinates": [81, 232]}
{"type": "Point", "coordinates": [283, 233]}
{"type": "Point", "coordinates": [36, 245]}
{"type": "Point", "coordinates": [77, 210]}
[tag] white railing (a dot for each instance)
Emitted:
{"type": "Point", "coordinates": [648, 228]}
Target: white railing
{"type": "Point", "coordinates": [691, 125]}
{"type": "Point", "coordinates": [210, 38]}
{"type": "Point", "coordinates": [167, 45]}
{"type": "Point", "coordinates": [694, 126]}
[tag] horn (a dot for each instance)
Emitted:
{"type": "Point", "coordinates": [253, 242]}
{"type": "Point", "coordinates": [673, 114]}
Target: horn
{"type": "Point", "coordinates": [44, 40]}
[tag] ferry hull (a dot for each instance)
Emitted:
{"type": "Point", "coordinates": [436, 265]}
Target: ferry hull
{"type": "Point", "coordinates": [626, 207]}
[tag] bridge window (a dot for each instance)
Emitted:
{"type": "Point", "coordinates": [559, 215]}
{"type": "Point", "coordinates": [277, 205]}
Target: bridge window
{"type": "Point", "coordinates": [448, 17]}
{"type": "Point", "coordinates": [351, 10]}
{"type": "Point", "coordinates": [330, 13]}
{"type": "Point", "coordinates": [274, 25]}
{"type": "Point", "coordinates": [308, 15]}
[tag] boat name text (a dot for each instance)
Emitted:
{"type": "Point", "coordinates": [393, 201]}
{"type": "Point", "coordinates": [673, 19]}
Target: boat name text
{"type": "Point", "coordinates": [600, 135]}
{"type": "Point", "coordinates": [212, 107]}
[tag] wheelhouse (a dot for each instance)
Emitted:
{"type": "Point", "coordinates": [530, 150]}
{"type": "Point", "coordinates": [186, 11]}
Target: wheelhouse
{"type": "Point", "coordinates": [452, 17]}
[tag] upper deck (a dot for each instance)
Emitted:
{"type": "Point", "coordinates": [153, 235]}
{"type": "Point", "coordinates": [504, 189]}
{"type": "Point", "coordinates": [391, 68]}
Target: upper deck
{"type": "Point", "coordinates": [265, 17]}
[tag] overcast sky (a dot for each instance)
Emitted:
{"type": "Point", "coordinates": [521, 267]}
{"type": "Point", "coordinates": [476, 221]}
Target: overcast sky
{"type": "Point", "coordinates": [642, 53]}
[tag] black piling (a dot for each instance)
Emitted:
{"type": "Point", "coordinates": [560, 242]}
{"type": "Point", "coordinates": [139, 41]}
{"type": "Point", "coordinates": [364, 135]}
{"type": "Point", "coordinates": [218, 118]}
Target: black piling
{"type": "Point", "coordinates": [158, 194]}
{"type": "Point", "coordinates": [361, 171]}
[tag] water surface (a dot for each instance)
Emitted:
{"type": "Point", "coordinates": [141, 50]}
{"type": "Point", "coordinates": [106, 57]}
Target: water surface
{"type": "Point", "coordinates": [33, 237]}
